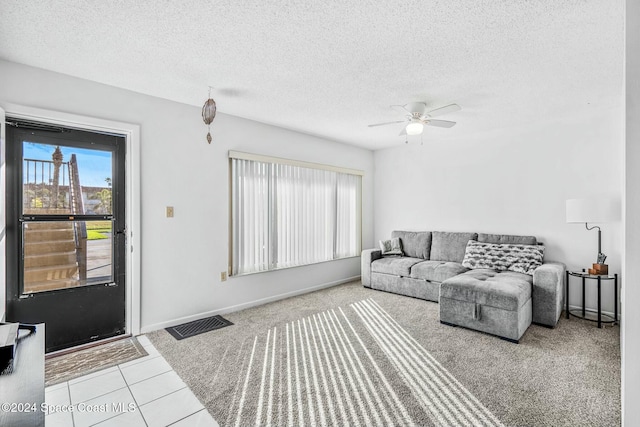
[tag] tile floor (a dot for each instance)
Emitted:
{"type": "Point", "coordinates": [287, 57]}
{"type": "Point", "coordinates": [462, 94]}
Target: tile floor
{"type": "Point", "coordinates": [145, 392]}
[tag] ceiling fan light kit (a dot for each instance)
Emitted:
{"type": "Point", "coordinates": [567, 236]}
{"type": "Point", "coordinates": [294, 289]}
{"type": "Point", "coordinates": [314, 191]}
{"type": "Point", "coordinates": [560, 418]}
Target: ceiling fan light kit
{"type": "Point", "coordinates": [414, 128]}
{"type": "Point", "coordinates": [418, 117]}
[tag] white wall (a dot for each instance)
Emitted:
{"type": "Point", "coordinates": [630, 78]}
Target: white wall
{"type": "Point", "coordinates": [630, 330]}
{"type": "Point", "coordinates": [511, 181]}
{"type": "Point", "coordinates": [182, 257]}
{"type": "Point", "coordinates": [3, 225]}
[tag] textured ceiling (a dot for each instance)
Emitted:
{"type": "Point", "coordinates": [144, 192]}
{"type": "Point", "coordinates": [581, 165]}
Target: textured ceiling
{"type": "Point", "coordinates": [330, 68]}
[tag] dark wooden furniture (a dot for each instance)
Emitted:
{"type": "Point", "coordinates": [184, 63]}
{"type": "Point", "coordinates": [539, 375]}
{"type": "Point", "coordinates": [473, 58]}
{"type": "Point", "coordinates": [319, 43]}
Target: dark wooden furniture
{"type": "Point", "coordinates": [22, 383]}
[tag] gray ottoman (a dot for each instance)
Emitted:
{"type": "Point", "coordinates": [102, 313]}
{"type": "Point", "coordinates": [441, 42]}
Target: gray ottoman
{"type": "Point", "coordinates": [488, 301]}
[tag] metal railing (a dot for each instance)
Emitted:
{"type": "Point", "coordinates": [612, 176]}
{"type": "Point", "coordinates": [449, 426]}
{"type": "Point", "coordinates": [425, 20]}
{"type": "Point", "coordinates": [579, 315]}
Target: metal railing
{"type": "Point", "coordinates": [41, 186]}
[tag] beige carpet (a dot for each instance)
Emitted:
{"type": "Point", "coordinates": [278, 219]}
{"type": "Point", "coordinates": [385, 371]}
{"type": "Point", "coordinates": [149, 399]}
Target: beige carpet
{"type": "Point", "coordinates": [72, 365]}
{"type": "Point", "coordinates": [350, 355]}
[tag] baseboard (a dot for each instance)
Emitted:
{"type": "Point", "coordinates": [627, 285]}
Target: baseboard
{"type": "Point", "coordinates": [238, 307]}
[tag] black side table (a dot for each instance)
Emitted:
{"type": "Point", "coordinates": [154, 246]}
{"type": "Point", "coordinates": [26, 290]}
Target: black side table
{"type": "Point", "coordinates": [599, 278]}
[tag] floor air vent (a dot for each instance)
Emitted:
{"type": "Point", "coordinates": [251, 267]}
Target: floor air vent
{"type": "Point", "coordinates": [196, 327]}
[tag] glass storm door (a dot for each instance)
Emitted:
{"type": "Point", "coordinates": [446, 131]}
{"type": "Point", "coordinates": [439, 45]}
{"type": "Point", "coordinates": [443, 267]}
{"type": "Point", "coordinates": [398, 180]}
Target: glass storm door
{"type": "Point", "coordinates": [65, 232]}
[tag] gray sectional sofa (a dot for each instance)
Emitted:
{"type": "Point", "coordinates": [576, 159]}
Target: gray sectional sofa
{"type": "Point", "coordinates": [502, 303]}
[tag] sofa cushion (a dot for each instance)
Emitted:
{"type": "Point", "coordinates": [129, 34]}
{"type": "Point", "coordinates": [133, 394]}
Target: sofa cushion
{"type": "Point", "coordinates": [507, 238]}
{"type": "Point", "coordinates": [416, 244]}
{"type": "Point", "coordinates": [514, 257]}
{"type": "Point", "coordinates": [447, 246]}
{"type": "Point", "coordinates": [436, 271]}
{"type": "Point", "coordinates": [399, 266]}
{"type": "Point", "coordinates": [391, 247]}
{"type": "Point", "coordinates": [506, 290]}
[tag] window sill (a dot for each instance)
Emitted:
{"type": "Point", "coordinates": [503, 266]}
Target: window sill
{"type": "Point", "coordinates": [291, 267]}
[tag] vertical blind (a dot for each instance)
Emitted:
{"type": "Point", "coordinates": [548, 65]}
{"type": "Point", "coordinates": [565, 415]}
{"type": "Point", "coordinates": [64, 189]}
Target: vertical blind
{"type": "Point", "coordinates": [285, 215]}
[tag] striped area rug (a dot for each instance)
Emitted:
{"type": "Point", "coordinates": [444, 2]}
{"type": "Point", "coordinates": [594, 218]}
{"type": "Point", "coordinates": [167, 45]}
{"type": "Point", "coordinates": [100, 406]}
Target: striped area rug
{"type": "Point", "coordinates": [354, 365]}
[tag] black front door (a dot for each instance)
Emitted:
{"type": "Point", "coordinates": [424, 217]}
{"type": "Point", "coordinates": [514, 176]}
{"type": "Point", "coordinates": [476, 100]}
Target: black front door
{"type": "Point", "coordinates": [65, 232]}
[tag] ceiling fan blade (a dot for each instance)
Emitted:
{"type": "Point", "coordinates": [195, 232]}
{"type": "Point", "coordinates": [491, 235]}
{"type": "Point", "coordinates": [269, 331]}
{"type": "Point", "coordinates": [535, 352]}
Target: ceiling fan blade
{"type": "Point", "coordinates": [387, 123]}
{"type": "Point", "coordinates": [440, 123]}
{"type": "Point", "coordinates": [400, 108]}
{"type": "Point", "coordinates": [443, 110]}
{"type": "Point", "coordinates": [403, 132]}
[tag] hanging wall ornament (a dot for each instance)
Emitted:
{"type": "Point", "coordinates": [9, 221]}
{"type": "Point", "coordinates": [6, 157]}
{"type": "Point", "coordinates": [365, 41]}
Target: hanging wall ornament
{"type": "Point", "coordinates": [209, 113]}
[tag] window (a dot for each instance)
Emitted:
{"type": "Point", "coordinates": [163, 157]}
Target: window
{"type": "Point", "coordinates": [287, 213]}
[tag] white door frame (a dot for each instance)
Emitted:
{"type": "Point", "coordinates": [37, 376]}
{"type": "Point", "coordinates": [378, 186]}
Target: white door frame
{"type": "Point", "coordinates": [131, 132]}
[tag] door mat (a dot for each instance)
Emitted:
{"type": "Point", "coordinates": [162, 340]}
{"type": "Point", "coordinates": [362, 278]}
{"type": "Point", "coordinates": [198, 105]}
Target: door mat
{"type": "Point", "coordinates": [197, 327]}
{"type": "Point", "coordinates": [73, 365]}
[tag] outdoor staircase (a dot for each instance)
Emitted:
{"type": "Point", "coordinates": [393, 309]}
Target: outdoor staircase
{"type": "Point", "coordinates": [55, 252]}
{"type": "Point", "coordinates": [49, 256]}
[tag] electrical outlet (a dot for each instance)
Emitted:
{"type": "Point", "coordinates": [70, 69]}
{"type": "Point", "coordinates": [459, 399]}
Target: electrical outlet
{"type": "Point", "coordinates": [223, 276]}
{"type": "Point", "coordinates": [169, 211]}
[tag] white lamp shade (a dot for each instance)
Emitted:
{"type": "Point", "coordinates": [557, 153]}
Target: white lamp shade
{"type": "Point", "coordinates": [592, 210]}
{"type": "Point", "coordinates": [414, 128]}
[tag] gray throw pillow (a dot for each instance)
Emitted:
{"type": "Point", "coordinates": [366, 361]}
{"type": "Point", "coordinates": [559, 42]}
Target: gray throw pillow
{"type": "Point", "coordinates": [391, 246]}
{"type": "Point", "coordinates": [502, 257]}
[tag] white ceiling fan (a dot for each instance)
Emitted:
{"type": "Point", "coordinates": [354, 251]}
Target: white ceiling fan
{"type": "Point", "coordinates": [418, 117]}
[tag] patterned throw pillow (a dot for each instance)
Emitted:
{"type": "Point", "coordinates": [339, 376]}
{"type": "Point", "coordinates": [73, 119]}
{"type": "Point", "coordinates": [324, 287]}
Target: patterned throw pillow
{"type": "Point", "coordinates": [391, 246]}
{"type": "Point", "coordinates": [502, 257]}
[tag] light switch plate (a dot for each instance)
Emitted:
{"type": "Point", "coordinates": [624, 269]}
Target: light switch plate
{"type": "Point", "coordinates": [223, 276]}
{"type": "Point", "coordinates": [169, 211]}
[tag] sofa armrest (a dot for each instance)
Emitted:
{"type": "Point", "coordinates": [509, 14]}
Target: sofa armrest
{"type": "Point", "coordinates": [546, 298]}
{"type": "Point", "coordinates": [368, 256]}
